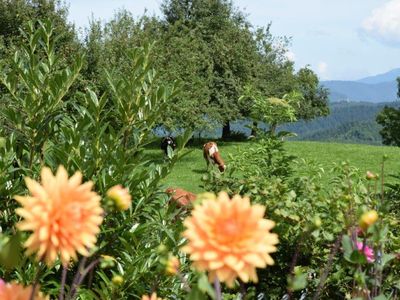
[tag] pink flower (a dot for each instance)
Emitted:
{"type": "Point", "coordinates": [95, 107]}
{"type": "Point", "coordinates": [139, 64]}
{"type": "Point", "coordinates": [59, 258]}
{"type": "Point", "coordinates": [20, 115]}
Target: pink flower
{"type": "Point", "coordinates": [368, 252]}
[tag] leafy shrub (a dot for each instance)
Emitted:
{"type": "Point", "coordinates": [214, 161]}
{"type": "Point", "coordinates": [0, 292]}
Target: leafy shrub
{"type": "Point", "coordinates": [316, 223]}
{"type": "Point", "coordinates": [103, 137]}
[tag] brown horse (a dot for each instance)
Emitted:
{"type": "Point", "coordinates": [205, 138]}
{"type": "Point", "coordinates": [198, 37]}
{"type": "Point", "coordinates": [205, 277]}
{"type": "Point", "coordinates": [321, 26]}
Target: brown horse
{"type": "Point", "coordinates": [211, 155]}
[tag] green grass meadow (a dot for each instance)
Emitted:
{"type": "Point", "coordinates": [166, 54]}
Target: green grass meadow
{"type": "Point", "coordinates": [188, 171]}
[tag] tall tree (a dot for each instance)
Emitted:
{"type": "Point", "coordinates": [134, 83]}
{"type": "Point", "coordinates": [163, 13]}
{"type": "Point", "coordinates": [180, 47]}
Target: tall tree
{"type": "Point", "coordinates": [230, 47]}
{"type": "Point", "coordinates": [175, 53]}
{"type": "Point", "coordinates": [185, 58]}
{"type": "Point", "coordinates": [15, 14]}
{"type": "Point", "coordinates": [389, 119]}
{"type": "Point", "coordinates": [315, 97]}
{"type": "Point", "coordinates": [273, 74]}
{"type": "Point", "coordinates": [15, 17]}
{"type": "Point", "coordinates": [107, 46]}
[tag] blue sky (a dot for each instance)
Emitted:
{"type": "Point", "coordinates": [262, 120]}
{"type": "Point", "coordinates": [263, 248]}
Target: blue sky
{"type": "Point", "coordinates": [339, 39]}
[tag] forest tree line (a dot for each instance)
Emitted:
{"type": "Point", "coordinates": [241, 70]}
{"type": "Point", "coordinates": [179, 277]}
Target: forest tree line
{"type": "Point", "coordinates": [209, 49]}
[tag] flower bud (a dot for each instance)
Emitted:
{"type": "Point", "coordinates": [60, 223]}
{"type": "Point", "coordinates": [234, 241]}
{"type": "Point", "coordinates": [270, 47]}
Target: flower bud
{"type": "Point", "coordinates": [367, 219]}
{"type": "Point", "coordinates": [117, 280]}
{"type": "Point", "coordinates": [162, 249]}
{"type": "Point", "coordinates": [317, 221]}
{"type": "Point", "coordinates": [371, 176]}
{"type": "Point", "coordinates": [107, 261]}
{"type": "Point", "coordinates": [120, 196]}
{"type": "Point", "coordinates": [348, 197]}
{"type": "Point", "coordinates": [173, 265]}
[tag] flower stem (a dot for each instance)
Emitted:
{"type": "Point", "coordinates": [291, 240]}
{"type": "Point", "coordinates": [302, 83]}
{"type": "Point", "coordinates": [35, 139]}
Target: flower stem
{"type": "Point", "coordinates": [217, 287]}
{"type": "Point", "coordinates": [243, 291]}
{"type": "Point", "coordinates": [83, 274]}
{"type": "Point", "coordinates": [293, 264]}
{"type": "Point", "coordinates": [328, 266]}
{"type": "Point", "coordinates": [77, 276]}
{"type": "Point", "coordinates": [63, 278]}
{"type": "Point", "coordinates": [35, 283]}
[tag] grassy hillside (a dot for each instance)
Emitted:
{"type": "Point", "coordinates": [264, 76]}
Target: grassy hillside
{"type": "Point", "coordinates": [188, 172]}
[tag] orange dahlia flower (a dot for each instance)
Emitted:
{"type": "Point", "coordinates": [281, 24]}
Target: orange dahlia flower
{"type": "Point", "coordinates": [15, 291]}
{"type": "Point", "coordinates": [229, 238]}
{"type": "Point", "coordinates": [152, 297]}
{"type": "Point", "coordinates": [63, 215]}
{"type": "Point", "coordinates": [120, 196]}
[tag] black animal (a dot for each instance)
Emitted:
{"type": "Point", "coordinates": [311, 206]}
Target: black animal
{"type": "Point", "coordinates": [168, 141]}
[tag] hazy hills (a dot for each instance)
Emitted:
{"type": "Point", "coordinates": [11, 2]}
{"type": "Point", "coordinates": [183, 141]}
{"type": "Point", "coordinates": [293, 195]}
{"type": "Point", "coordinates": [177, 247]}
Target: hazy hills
{"type": "Point", "coordinates": [352, 122]}
{"type": "Point", "coordinates": [385, 77]}
{"type": "Point", "coordinates": [378, 88]}
{"type": "Point", "coordinates": [348, 122]}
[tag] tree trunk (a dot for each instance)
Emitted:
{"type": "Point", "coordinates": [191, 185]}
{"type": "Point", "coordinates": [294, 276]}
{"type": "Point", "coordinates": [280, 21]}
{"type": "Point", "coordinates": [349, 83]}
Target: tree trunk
{"type": "Point", "coordinates": [272, 129]}
{"type": "Point", "coordinates": [254, 129]}
{"type": "Point", "coordinates": [226, 130]}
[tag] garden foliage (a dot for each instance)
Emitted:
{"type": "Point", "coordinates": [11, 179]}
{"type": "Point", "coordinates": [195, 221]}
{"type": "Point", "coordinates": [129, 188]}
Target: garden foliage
{"type": "Point", "coordinates": [104, 137]}
{"type": "Point", "coordinates": [317, 224]}
{"type": "Point", "coordinates": [336, 240]}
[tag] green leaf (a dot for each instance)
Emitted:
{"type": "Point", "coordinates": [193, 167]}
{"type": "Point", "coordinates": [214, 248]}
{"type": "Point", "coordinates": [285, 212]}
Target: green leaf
{"type": "Point", "coordinates": [196, 294]}
{"type": "Point", "coordinates": [347, 247]}
{"type": "Point", "coordinates": [328, 236]}
{"type": "Point", "coordinates": [205, 286]}
{"type": "Point", "coordinates": [381, 297]}
{"type": "Point", "coordinates": [299, 282]}
{"type": "Point", "coordinates": [170, 152]}
{"type": "Point", "coordinates": [10, 253]}
{"type": "Point", "coordinates": [358, 258]}
{"type": "Point", "coordinates": [387, 258]}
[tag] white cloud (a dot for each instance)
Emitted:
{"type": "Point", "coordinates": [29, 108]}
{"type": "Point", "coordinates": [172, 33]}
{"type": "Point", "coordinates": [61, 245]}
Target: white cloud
{"type": "Point", "coordinates": [384, 23]}
{"type": "Point", "coordinates": [322, 67]}
{"type": "Point", "coordinates": [290, 55]}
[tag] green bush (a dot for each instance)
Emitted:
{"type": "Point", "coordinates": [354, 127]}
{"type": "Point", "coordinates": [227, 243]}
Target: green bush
{"type": "Point", "coordinates": [102, 136]}
{"type": "Point", "coordinates": [316, 223]}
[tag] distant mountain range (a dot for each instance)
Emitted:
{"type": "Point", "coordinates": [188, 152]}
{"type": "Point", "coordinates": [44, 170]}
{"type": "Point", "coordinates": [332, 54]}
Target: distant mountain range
{"type": "Point", "coordinates": [351, 122]}
{"type": "Point", "coordinates": [378, 88]}
{"type": "Point", "coordinates": [380, 78]}
{"type": "Point", "coordinates": [348, 122]}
